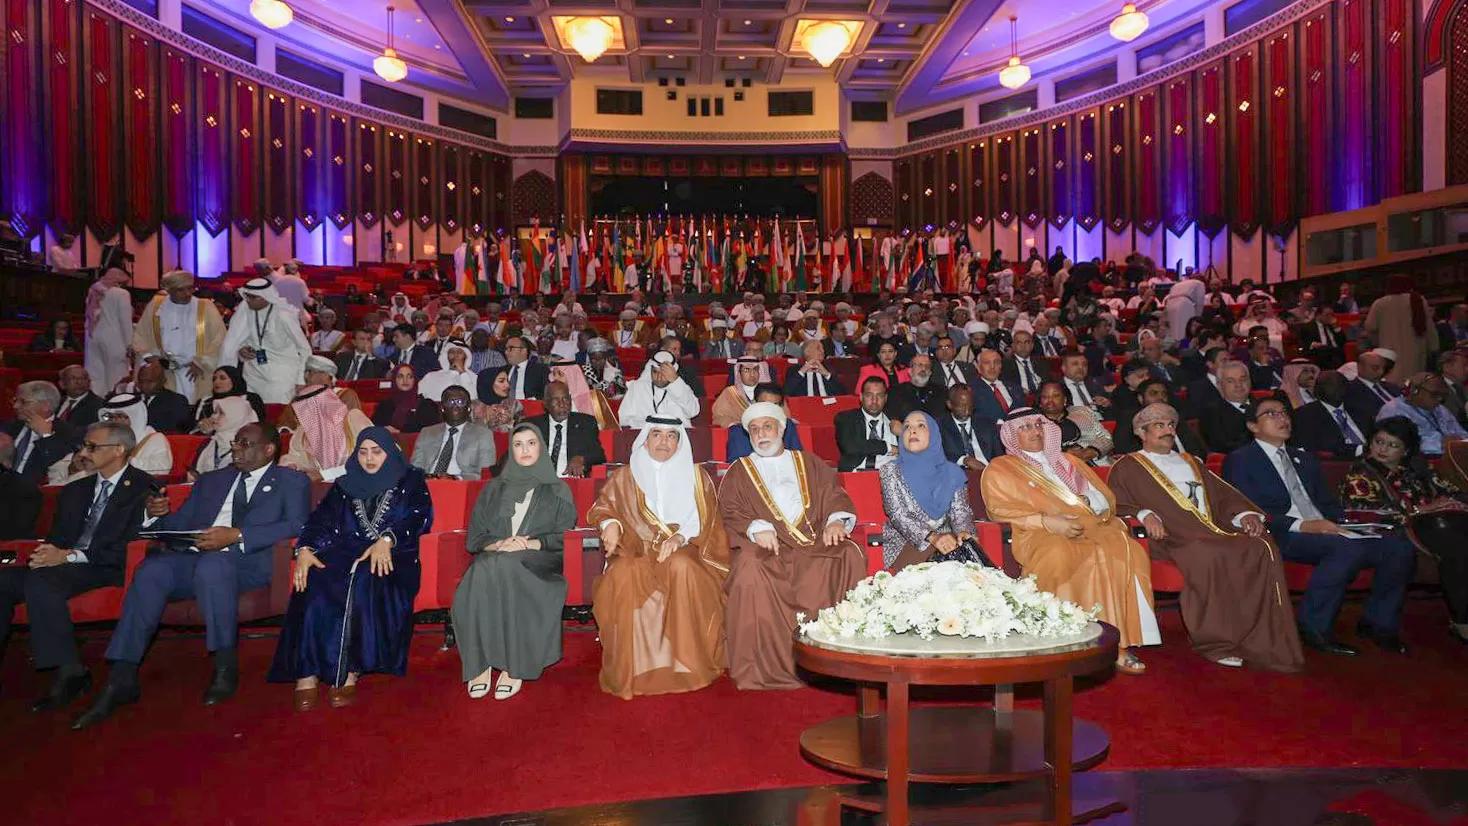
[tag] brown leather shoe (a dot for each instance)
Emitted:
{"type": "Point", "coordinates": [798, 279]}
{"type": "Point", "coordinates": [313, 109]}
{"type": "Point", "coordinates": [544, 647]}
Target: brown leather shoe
{"type": "Point", "coordinates": [341, 697]}
{"type": "Point", "coordinates": [305, 698]}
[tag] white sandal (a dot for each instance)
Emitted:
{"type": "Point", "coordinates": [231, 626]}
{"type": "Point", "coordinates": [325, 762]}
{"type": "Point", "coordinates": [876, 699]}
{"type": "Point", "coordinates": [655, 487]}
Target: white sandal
{"type": "Point", "coordinates": [479, 690]}
{"type": "Point", "coordinates": [506, 686]}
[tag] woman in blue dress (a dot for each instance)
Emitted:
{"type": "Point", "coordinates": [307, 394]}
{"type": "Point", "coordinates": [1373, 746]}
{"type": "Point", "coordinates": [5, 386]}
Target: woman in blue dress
{"type": "Point", "coordinates": [356, 575]}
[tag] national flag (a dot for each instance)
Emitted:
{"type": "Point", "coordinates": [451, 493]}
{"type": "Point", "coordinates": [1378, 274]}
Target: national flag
{"type": "Point", "coordinates": [799, 256]}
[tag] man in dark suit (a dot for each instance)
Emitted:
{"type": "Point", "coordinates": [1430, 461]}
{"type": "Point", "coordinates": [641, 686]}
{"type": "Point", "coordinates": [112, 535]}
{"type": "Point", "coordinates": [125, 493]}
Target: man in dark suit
{"type": "Point", "coordinates": [406, 350]}
{"type": "Point", "coordinates": [168, 412]}
{"type": "Point", "coordinates": [812, 377]}
{"type": "Point", "coordinates": [1225, 422]}
{"type": "Point", "coordinates": [1302, 514]}
{"type": "Point", "coordinates": [527, 375]}
{"type": "Point", "coordinates": [838, 343]}
{"type": "Point", "coordinates": [971, 443]}
{"type": "Point", "coordinates": [1326, 425]}
{"type": "Point", "coordinates": [1265, 372]}
{"type": "Point", "coordinates": [1204, 391]}
{"type": "Point", "coordinates": [951, 372]}
{"type": "Point", "coordinates": [1021, 368]}
{"type": "Point", "coordinates": [1322, 340]}
{"type": "Point", "coordinates": [357, 362]}
{"type": "Point", "coordinates": [1080, 386]}
{"type": "Point", "coordinates": [922, 391]}
{"type": "Point", "coordinates": [239, 512]}
{"type": "Point", "coordinates": [994, 397]}
{"type": "Point", "coordinates": [1368, 391]}
{"type": "Point", "coordinates": [21, 496]}
{"type": "Point", "coordinates": [572, 438]}
{"type": "Point", "coordinates": [864, 436]}
{"type": "Point", "coordinates": [1162, 364]}
{"type": "Point", "coordinates": [79, 405]}
{"type": "Point", "coordinates": [40, 441]}
{"type": "Point", "coordinates": [96, 516]}
{"type": "Point", "coordinates": [1453, 367]}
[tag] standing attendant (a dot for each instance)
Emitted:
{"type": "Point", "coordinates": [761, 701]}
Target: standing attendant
{"type": "Point", "coordinates": [266, 340]}
{"type": "Point", "coordinates": [187, 330]}
{"type": "Point", "coordinates": [109, 331]}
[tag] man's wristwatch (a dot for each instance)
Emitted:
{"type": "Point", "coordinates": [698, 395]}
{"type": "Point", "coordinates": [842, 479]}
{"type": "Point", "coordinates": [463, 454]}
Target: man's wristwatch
{"type": "Point", "coordinates": [72, 557]}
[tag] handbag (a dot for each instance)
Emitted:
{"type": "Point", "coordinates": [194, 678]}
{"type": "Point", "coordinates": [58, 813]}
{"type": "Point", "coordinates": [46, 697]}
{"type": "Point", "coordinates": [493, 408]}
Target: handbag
{"type": "Point", "coordinates": [968, 550]}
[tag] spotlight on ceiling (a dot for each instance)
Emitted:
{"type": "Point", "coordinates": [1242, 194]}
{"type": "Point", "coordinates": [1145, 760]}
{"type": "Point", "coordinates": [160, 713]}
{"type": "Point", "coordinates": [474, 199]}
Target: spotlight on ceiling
{"type": "Point", "coordinates": [273, 14]}
{"type": "Point", "coordinates": [1130, 24]}
{"type": "Point", "coordinates": [388, 65]}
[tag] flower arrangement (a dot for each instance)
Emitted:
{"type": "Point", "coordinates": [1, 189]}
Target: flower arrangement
{"type": "Point", "coordinates": [953, 599]}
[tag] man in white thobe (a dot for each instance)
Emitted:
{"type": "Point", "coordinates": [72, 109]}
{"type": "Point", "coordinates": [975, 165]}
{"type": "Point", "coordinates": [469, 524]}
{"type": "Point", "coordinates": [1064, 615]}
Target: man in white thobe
{"type": "Point", "coordinates": [109, 331]}
{"type": "Point", "coordinates": [266, 340]}
{"type": "Point", "coordinates": [288, 283]}
{"type": "Point", "coordinates": [659, 392]}
{"type": "Point", "coordinates": [187, 330]}
{"type": "Point", "coordinates": [1184, 303]}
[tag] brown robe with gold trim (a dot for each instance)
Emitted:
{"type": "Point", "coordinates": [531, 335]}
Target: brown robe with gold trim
{"type": "Point", "coordinates": [767, 590]}
{"type": "Point", "coordinates": [729, 406]}
{"type": "Point", "coordinates": [1235, 601]}
{"type": "Point", "coordinates": [661, 623]}
{"type": "Point", "coordinates": [1103, 566]}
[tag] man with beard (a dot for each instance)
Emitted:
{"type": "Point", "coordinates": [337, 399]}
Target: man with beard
{"type": "Point", "coordinates": [661, 391]}
{"type": "Point", "coordinates": [922, 391]}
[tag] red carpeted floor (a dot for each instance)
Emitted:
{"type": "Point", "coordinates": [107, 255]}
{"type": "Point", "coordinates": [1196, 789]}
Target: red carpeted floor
{"type": "Point", "coordinates": [417, 749]}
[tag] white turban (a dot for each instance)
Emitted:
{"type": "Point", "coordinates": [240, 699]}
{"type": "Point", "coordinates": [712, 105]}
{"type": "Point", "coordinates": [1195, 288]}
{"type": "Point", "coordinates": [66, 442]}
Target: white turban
{"type": "Point", "coordinates": [763, 410]}
{"type": "Point", "coordinates": [320, 364]}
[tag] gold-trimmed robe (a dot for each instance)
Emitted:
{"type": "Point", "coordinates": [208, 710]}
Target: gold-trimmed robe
{"type": "Point", "coordinates": [729, 406]}
{"type": "Point", "coordinates": [209, 331]}
{"type": "Point", "coordinates": [1235, 600]}
{"type": "Point", "coordinates": [661, 623]}
{"type": "Point", "coordinates": [1104, 566]}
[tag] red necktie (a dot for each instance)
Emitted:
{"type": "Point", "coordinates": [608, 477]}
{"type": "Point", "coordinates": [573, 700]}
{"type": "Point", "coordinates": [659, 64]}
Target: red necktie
{"type": "Point", "coordinates": [999, 397]}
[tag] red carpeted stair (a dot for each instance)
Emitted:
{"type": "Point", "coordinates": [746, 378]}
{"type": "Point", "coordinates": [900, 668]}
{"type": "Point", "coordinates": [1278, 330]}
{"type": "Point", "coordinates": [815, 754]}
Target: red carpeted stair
{"type": "Point", "coordinates": [417, 749]}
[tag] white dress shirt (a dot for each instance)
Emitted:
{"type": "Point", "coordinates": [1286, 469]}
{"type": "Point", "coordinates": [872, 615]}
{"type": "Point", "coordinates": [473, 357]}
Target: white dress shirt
{"type": "Point", "coordinates": [778, 474]}
{"type": "Point", "coordinates": [80, 555]}
{"type": "Point", "coordinates": [1079, 392]}
{"type": "Point", "coordinates": [973, 439]}
{"type": "Point", "coordinates": [885, 429]}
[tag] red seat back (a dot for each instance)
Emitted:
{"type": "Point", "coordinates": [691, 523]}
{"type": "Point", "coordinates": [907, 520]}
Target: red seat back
{"type": "Point", "coordinates": [865, 489]}
{"type": "Point", "coordinates": [815, 410]}
{"type": "Point", "coordinates": [184, 448]}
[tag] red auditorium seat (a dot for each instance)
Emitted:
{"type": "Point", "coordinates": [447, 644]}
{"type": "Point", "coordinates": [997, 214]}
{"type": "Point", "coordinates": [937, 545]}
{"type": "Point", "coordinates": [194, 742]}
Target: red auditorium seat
{"type": "Point", "coordinates": [99, 605]}
{"type": "Point", "coordinates": [185, 449]}
{"type": "Point", "coordinates": [453, 502]}
{"type": "Point", "coordinates": [822, 441]}
{"type": "Point", "coordinates": [714, 384]}
{"type": "Point", "coordinates": [584, 493]}
{"type": "Point", "coordinates": [442, 560]}
{"type": "Point", "coordinates": [501, 443]}
{"type": "Point", "coordinates": [406, 443]}
{"type": "Point", "coordinates": [608, 439]}
{"type": "Point", "coordinates": [532, 407]}
{"type": "Point", "coordinates": [816, 410]}
{"type": "Point", "coordinates": [582, 563]}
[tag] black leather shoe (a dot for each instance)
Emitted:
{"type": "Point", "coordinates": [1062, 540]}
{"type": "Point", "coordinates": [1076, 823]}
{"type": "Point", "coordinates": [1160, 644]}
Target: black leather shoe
{"type": "Point", "coordinates": [1327, 645]}
{"type": "Point", "coordinates": [225, 683]}
{"type": "Point", "coordinates": [111, 699]}
{"type": "Point", "coordinates": [64, 692]}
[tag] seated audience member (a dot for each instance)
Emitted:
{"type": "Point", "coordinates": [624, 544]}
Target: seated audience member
{"type": "Point", "coordinates": [687, 368]}
{"type": "Point", "coordinates": [1203, 391]}
{"type": "Point", "coordinates": [602, 373]}
{"type": "Point", "coordinates": [1325, 425]}
{"type": "Point", "coordinates": [404, 410]}
{"type": "Point", "coordinates": [355, 577]}
{"type": "Point", "coordinates": [721, 344]}
{"type": "Point", "coordinates": [327, 338]}
{"type": "Point", "coordinates": [780, 344]}
{"type": "Point", "coordinates": [1322, 340]}
{"type": "Point", "coordinates": [1163, 365]}
{"type": "Point", "coordinates": [573, 440]}
{"type": "Point", "coordinates": [240, 511]}
{"type": "Point", "coordinates": [813, 377]}
{"type": "Point", "coordinates": [1395, 485]}
{"type": "Point", "coordinates": [482, 356]}
{"type": "Point", "coordinates": [1154, 391]}
{"type": "Point", "coordinates": [731, 401]}
{"type": "Point", "coordinates": [976, 334]}
{"type": "Point", "coordinates": [1369, 391]}
{"type": "Point", "coordinates": [1303, 516]}
{"type": "Point", "coordinates": [1225, 424]}
{"type": "Point", "coordinates": [659, 605]}
{"type": "Point", "coordinates": [840, 343]}
{"type": "Point", "coordinates": [21, 496]}
{"type": "Point", "coordinates": [322, 442]}
{"type": "Point", "coordinates": [1422, 404]}
{"type": "Point", "coordinates": [1453, 367]}
{"type": "Point", "coordinates": [151, 452]}
{"type": "Point", "coordinates": [1236, 606]}
{"type": "Point", "coordinates": [226, 382]}
{"type": "Point", "coordinates": [96, 516]}
{"type": "Point", "coordinates": [407, 350]}
{"type": "Point", "coordinates": [527, 375]}
{"type": "Point", "coordinates": [788, 520]}
{"type": "Point", "coordinates": [457, 447]}
{"type": "Point", "coordinates": [865, 436]}
{"type": "Point", "coordinates": [40, 439]}
{"type": "Point", "coordinates": [230, 414]}
{"type": "Point", "coordinates": [884, 366]}
{"type": "Point", "coordinates": [357, 363]}
{"type": "Point", "coordinates": [922, 391]}
{"type": "Point", "coordinates": [1021, 368]}
{"type": "Point", "coordinates": [1264, 370]}
{"type": "Point", "coordinates": [968, 442]}
{"type": "Point", "coordinates": [737, 445]}
{"type": "Point", "coordinates": [453, 371]}
{"type": "Point", "coordinates": [507, 609]}
{"type": "Point", "coordinates": [1067, 533]}
{"type": "Point", "coordinates": [56, 339]}
{"type": "Point", "coordinates": [925, 498]}
{"type": "Point", "coordinates": [947, 369]}
{"type": "Point", "coordinates": [994, 397]}
{"type": "Point", "coordinates": [500, 411]}
{"type": "Point", "coordinates": [584, 399]}
{"type": "Point", "coordinates": [660, 392]}
{"type": "Point", "coordinates": [1298, 384]}
{"type": "Point", "coordinates": [79, 405]}
{"type": "Point", "coordinates": [1081, 433]}
{"type": "Point", "coordinates": [1082, 389]}
{"type": "Point", "coordinates": [320, 373]}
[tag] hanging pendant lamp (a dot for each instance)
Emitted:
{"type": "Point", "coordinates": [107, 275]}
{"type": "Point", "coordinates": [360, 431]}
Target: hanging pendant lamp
{"type": "Point", "coordinates": [388, 65]}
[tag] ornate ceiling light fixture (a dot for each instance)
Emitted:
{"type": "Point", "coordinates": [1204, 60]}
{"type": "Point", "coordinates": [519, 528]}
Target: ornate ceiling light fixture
{"type": "Point", "coordinates": [1015, 74]}
{"type": "Point", "coordinates": [827, 40]}
{"type": "Point", "coordinates": [388, 65]}
{"type": "Point", "coordinates": [589, 36]}
{"type": "Point", "coordinates": [272, 14]}
{"type": "Point", "coordinates": [1130, 24]}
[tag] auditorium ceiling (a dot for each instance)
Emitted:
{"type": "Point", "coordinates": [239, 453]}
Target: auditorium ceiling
{"type": "Point", "coordinates": [914, 53]}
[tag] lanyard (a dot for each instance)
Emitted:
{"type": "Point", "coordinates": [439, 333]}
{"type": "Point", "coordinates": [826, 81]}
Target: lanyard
{"type": "Point", "coordinates": [261, 327]}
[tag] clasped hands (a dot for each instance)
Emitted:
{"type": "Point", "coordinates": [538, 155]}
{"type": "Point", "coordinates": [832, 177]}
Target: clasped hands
{"type": "Point", "coordinates": [947, 543]}
{"type": "Point", "coordinates": [510, 544]}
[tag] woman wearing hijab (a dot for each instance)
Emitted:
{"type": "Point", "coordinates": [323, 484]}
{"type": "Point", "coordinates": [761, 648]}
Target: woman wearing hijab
{"type": "Point", "coordinates": [501, 410]}
{"type": "Point", "coordinates": [355, 576]}
{"type": "Point", "coordinates": [1066, 532]}
{"type": "Point", "coordinates": [925, 497]}
{"type": "Point", "coordinates": [453, 371]}
{"type": "Point", "coordinates": [230, 414]}
{"type": "Point", "coordinates": [507, 609]}
{"type": "Point", "coordinates": [227, 382]}
{"type": "Point", "coordinates": [660, 603]}
{"type": "Point", "coordinates": [404, 410]}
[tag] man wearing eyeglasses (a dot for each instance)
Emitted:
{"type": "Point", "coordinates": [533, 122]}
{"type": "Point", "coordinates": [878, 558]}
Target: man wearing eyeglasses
{"type": "Point", "coordinates": [96, 516]}
{"type": "Point", "coordinates": [527, 376]}
{"type": "Point", "coordinates": [40, 440]}
{"type": "Point", "coordinates": [1422, 404]}
{"type": "Point", "coordinates": [229, 523]}
{"type": "Point", "coordinates": [458, 448]}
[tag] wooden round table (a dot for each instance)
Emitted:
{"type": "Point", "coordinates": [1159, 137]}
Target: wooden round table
{"type": "Point", "coordinates": [961, 745]}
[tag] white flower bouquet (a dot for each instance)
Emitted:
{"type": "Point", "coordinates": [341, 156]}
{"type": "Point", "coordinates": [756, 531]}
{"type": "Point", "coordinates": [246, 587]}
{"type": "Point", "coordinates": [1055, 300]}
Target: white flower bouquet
{"type": "Point", "coordinates": [954, 599]}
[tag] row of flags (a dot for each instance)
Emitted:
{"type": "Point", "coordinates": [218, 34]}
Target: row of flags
{"type": "Point", "coordinates": [705, 255]}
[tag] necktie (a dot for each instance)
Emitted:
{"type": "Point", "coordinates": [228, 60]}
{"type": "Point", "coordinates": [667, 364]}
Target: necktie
{"type": "Point", "coordinates": [1031, 380]}
{"type": "Point", "coordinates": [1296, 488]}
{"type": "Point", "coordinates": [94, 515]}
{"type": "Point", "coordinates": [1080, 391]}
{"type": "Point", "coordinates": [1346, 430]}
{"type": "Point", "coordinates": [872, 430]}
{"type": "Point", "coordinates": [1381, 392]}
{"type": "Point", "coordinates": [148, 401]}
{"type": "Point", "coordinates": [65, 410]}
{"type": "Point", "coordinates": [239, 503]}
{"type": "Point", "coordinates": [22, 448]}
{"type": "Point", "coordinates": [404, 356]}
{"type": "Point", "coordinates": [556, 448]}
{"type": "Point", "coordinates": [446, 455]}
{"type": "Point", "coordinates": [968, 439]}
{"type": "Point", "coordinates": [356, 367]}
{"type": "Point", "coordinates": [515, 382]}
{"type": "Point", "coordinates": [999, 396]}
{"type": "Point", "coordinates": [953, 379]}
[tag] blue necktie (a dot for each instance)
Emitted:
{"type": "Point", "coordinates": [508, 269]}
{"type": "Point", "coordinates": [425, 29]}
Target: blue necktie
{"type": "Point", "coordinates": [94, 515]}
{"type": "Point", "coordinates": [1346, 429]}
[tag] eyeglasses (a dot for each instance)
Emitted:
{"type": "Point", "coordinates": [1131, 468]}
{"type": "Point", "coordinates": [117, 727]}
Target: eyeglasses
{"type": "Point", "coordinates": [1273, 414]}
{"type": "Point", "coordinates": [242, 443]}
{"type": "Point", "coordinates": [454, 402]}
{"type": "Point", "coordinates": [93, 447]}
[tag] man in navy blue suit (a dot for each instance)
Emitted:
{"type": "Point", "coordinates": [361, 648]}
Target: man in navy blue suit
{"type": "Point", "coordinates": [994, 397]}
{"type": "Point", "coordinates": [1302, 512]}
{"type": "Point", "coordinates": [407, 350]}
{"type": "Point", "coordinates": [238, 513]}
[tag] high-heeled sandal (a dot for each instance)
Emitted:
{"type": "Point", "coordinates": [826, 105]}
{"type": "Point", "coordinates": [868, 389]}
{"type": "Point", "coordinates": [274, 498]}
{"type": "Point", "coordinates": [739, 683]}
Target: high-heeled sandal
{"type": "Point", "coordinates": [1129, 663]}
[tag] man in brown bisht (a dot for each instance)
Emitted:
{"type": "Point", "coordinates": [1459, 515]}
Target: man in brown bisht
{"type": "Point", "coordinates": [660, 603]}
{"type": "Point", "coordinates": [733, 400]}
{"type": "Point", "coordinates": [1235, 602]}
{"type": "Point", "coordinates": [788, 519]}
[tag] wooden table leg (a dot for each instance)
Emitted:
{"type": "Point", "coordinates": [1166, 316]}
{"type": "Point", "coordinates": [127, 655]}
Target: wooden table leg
{"type": "Point", "coordinates": [897, 753]}
{"type": "Point", "coordinates": [1004, 698]}
{"type": "Point", "coordinates": [1058, 747]}
{"type": "Point", "coordinates": [868, 697]}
